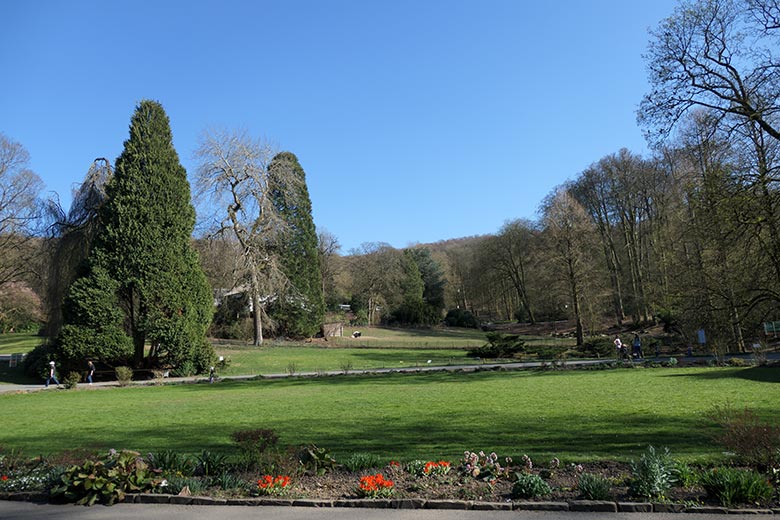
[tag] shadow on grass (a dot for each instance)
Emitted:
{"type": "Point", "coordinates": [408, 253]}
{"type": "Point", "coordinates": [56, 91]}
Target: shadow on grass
{"type": "Point", "coordinates": [758, 374]}
{"type": "Point", "coordinates": [622, 437]}
{"type": "Point", "coordinates": [370, 380]}
{"type": "Point", "coordinates": [16, 375]}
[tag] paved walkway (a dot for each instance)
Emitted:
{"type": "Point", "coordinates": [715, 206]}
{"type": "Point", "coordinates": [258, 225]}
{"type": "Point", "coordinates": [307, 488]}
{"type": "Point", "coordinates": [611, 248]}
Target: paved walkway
{"type": "Point", "coordinates": [30, 511]}
{"type": "Point", "coordinates": [6, 388]}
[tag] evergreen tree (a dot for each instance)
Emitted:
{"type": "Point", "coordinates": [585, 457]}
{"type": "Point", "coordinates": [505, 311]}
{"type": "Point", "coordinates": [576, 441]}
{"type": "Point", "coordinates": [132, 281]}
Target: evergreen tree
{"type": "Point", "coordinates": [300, 308]}
{"type": "Point", "coordinates": [144, 253]}
{"type": "Point", "coordinates": [432, 276]}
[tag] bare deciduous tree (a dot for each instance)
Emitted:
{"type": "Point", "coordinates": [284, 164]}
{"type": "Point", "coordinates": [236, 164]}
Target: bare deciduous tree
{"type": "Point", "coordinates": [715, 54]}
{"type": "Point", "coordinates": [328, 248]}
{"type": "Point", "coordinates": [569, 232]}
{"type": "Point", "coordinates": [19, 208]}
{"type": "Point", "coordinates": [233, 177]}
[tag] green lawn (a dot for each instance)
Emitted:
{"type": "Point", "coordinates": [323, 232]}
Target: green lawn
{"type": "Point", "coordinates": [281, 360]}
{"type": "Point", "coordinates": [13, 342]}
{"type": "Point", "coordinates": [574, 415]}
{"type": "Point", "coordinates": [379, 337]}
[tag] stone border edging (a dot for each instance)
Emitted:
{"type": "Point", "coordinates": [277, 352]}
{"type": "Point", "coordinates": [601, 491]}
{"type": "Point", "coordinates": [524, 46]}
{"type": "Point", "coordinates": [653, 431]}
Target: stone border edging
{"type": "Point", "coordinates": [594, 506]}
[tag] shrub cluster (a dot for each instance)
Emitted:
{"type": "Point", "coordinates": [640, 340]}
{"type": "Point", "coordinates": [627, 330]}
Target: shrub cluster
{"type": "Point", "coordinates": [499, 346]}
{"type": "Point", "coordinates": [755, 441]}
{"type": "Point", "coordinates": [106, 480]}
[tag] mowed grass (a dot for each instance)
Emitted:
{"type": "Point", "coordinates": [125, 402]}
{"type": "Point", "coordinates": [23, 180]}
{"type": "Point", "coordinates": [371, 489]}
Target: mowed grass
{"type": "Point", "coordinates": [574, 415]}
{"type": "Point", "coordinates": [378, 347]}
{"type": "Point", "coordinates": [381, 337]}
{"type": "Point", "coordinates": [13, 342]}
{"type": "Point", "coordinates": [285, 359]}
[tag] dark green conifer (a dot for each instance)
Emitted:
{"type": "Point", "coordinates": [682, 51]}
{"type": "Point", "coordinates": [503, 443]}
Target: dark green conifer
{"type": "Point", "coordinates": [144, 249]}
{"type": "Point", "coordinates": [300, 308]}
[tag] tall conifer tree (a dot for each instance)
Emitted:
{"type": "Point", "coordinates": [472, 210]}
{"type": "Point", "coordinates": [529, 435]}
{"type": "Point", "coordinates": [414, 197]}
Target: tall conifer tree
{"type": "Point", "coordinates": [144, 247]}
{"type": "Point", "coordinates": [300, 309]}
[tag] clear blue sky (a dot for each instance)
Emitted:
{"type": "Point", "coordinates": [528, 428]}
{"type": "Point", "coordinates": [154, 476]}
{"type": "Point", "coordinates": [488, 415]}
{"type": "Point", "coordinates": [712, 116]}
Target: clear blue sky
{"type": "Point", "coordinates": [415, 120]}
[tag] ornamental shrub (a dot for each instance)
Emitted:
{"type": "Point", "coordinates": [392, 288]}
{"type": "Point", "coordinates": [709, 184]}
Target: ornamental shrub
{"type": "Point", "coordinates": [499, 346]}
{"type": "Point", "coordinates": [72, 380]}
{"type": "Point", "coordinates": [652, 476]}
{"type": "Point", "coordinates": [106, 480]}
{"type": "Point", "coordinates": [734, 486]}
{"type": "Point", "coordinates": [461, 318]}
{"type": "Point", "coordinates": [529, 486]}
{"type": "Point", "coordinates": [124, 375]}
{"type": "Point", "coordinates": [755, 441]}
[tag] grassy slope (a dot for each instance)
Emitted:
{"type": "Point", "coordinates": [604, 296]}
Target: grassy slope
{"type": "Point", "coordinates": [576, 415]}
{"type": "Point", "coordinates": [12, 343]}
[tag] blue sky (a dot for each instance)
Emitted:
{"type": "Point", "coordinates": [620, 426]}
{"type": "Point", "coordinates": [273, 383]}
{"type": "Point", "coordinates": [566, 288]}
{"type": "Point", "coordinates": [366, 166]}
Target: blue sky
{"type": "Point", "coordinates": [415, 121]}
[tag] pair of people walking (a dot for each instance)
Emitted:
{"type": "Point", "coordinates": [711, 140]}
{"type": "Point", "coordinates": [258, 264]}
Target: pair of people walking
{"type": "Point", "coordinates": [52, 377]}
{"type": "Point", "coordinates": [636, 347]}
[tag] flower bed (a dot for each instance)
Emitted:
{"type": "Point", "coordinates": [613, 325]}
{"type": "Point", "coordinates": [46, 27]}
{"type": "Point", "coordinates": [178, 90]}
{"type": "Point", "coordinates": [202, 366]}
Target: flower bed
{"type": "Point", "coordinates": [477, 477]}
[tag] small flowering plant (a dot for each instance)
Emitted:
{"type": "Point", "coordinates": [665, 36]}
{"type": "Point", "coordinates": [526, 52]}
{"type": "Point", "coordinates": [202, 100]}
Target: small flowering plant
{"type": "Point", "coordinates": [375, 486]}
{"type": "Point", "coordinates": [484, 466]}
{"type": "Point", "coordinates": [273, 486]}
{"type": "Point", "coordinates": [436, 468]}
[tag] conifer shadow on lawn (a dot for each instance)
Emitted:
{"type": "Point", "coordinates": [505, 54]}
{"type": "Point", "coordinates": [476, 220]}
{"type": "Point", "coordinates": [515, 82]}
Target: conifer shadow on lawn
{"type": "Point", "coordinates": [572, 415]}
{"type": "Point", "coordinates": [765, 374]}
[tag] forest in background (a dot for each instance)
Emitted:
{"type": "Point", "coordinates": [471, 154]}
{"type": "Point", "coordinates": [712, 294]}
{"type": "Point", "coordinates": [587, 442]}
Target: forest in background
{"type": "Point", "coordinates": [687, 236]}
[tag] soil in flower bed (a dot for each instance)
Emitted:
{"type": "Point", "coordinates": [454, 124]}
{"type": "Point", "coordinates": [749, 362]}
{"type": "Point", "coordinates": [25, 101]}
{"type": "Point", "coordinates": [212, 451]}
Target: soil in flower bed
{"type": "Point", "coordinates": [563, 481]}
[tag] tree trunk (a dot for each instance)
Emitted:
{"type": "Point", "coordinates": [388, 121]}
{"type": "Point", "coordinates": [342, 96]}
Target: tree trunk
{"type": "Point", "coordinates": [257, 317]}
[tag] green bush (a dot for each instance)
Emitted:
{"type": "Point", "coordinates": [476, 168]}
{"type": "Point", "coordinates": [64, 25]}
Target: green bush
{"type": "Point", "coordinates": [106, 480]}
{"type": "Point", "coordinates": [461, 318]}
{"type": "Point", "coordinates": [124, 375]}
{"type": "Point", "coordinates": [594, 487]}
{"type": "Point", "coordinates": [529, 486]}
{"type": "Point", "coordinates": [736, 362]}
{"type": "Point", "coordinates": [652, 477]}
{"type": "Point", "coordinates": [72, 380]}
{"type": "Point", "coordinates": [186, 368]}
{"type": "Point", "coordinates": [362, 461]}
{"type": "Point", "coordinates": [499, 346]}
{"type": "Point", "coordinates": [77, 343]}
{"type": "Point", "coordinates": [599, 348]}
{"type": "Point", "coordinates": [734, 486]}
{"type": "Point", "coordinates": [36, 362]}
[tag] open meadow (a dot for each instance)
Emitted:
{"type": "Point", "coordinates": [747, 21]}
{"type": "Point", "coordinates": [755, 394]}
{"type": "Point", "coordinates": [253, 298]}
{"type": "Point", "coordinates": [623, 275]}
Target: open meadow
{"type": "Point", "coordinates": [575, 415]}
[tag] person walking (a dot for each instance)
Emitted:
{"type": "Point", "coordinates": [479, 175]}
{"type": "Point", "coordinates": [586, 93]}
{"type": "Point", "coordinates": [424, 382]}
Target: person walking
{"type": "Point", "coordinates": [90, 371]}
{"type": "Point", "coordinates": [637, 344]}
{"type": "Point", "coordinates": [51, 376]}
{"type": "Point", "coordinates": [619, 347]}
